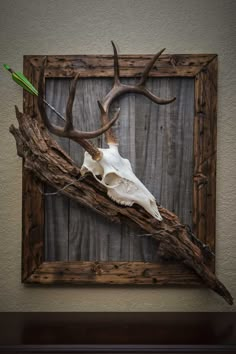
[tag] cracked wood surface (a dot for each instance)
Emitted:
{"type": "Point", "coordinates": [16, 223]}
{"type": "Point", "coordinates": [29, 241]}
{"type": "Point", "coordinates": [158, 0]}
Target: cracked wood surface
{"type": "Point", "coordinates": [50, 164]}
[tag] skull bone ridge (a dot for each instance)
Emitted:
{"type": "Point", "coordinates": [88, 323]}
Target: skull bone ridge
{"type": "Point", "coordinates": [116, 174]}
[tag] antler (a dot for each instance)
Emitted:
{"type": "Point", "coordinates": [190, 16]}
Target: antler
{"type": "Point", "coordinates": [68, 130]}
{"type": "Point", "coordinates": [119, 89]}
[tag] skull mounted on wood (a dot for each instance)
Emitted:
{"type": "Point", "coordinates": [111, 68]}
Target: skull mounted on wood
{"type": "Point", "coordinates": [106, 165]}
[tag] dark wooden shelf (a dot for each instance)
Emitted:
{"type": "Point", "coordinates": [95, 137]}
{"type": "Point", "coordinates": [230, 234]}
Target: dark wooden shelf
{"type": "Point", "coordinates": [117, 332]}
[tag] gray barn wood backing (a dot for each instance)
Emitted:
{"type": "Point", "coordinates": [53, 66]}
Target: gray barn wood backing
{"type": "Point", "coordinates": [158, 141]}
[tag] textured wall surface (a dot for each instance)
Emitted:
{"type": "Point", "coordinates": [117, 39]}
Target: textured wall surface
{"type": "Point", "coordinates": [137, 26]}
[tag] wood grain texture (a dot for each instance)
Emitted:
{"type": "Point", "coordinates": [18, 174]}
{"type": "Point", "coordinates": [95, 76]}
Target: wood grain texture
{"type": "Point", "coordinates": [127, 273]}
{"type": "Point", "coordinates": [32, 200]}
{"type": "Point", "coordinates": [164, 145]}
{"type": "Point", "coordinates": [158, 142]}
{"type": "Point", "coordinates": [178, 65]}
{"type": "Point", "coordinates": [57, 206]}
{"type": "Point", "coordinates": [205, 153]}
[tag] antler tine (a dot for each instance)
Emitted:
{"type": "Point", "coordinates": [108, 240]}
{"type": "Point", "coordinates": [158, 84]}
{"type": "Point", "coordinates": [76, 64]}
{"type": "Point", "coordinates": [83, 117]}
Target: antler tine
{"type": "Point", "coordinates": [104, 105]}
{"type": "Point", "coordinates": [69, 106]}
{"type": "Point", "coordinates": [149, 67]}
{"type": "Point", "coordinates": [110, 136]}
{"type": "Point", "coordinates": [119, 89]}
{"type": "Point", "coordinates": [68, 131]}
{"type": "Point", "coordinates": [145, 92]}
{"type": "Point", "coordinates": [116, 66]}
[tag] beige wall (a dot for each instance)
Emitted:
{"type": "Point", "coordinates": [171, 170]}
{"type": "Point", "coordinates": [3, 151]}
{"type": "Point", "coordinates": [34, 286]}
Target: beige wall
{"type": "Point", "coordinates": [137, 26]}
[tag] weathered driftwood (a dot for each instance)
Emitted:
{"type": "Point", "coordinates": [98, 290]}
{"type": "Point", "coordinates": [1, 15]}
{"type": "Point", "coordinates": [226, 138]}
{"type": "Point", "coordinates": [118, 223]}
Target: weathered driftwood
{"type": "Point", "coordinates": [48, 162]}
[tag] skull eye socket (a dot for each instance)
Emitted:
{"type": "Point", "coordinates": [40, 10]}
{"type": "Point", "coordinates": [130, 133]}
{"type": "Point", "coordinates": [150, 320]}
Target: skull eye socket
{"type": "Point", "coordinates": [112, 179]}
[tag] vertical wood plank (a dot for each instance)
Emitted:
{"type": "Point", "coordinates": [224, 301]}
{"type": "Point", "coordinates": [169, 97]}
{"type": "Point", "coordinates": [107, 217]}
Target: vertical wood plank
{"type": "Point", "coordinates": [32, 199]}
{"type": "Point", "coordinates": [164, 140]}
{"type": "Point", "coordinates": [205, 153]}
{"type": "Point", "coordinates": [57, 206]}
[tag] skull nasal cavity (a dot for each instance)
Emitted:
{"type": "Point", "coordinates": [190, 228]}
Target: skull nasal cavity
{"type": "Point", "coordinates": [111, 179]}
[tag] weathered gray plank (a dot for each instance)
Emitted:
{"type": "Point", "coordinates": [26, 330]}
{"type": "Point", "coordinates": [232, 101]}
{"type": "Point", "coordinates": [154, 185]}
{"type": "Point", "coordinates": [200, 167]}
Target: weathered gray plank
{"type": "Point", "coordinates": [164, 149]}
{"type": "Point", "coordinates": [164, 145]}
{"type": "Point", "coordinates": [56, 206]}
{"type": "Point", "coordinates": [158, 141]}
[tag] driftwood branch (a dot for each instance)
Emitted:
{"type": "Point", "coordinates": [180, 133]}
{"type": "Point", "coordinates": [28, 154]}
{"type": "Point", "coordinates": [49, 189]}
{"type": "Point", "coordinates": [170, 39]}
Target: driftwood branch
{"type": "Point", "coordinates": [44, 157]}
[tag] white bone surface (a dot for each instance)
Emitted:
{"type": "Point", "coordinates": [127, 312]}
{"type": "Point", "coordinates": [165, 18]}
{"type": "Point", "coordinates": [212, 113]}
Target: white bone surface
{"type": "Point", "coordinates": [116, 174]}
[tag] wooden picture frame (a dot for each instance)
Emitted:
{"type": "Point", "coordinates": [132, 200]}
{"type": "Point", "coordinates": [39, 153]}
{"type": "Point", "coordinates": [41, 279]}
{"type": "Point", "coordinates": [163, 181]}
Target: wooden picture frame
{"type": "Point", "coordinates": [201, 68]}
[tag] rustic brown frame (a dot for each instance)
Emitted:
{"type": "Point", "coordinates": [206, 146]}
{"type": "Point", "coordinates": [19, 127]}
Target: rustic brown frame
{"type": "Point", "coordinates": [203, 68]}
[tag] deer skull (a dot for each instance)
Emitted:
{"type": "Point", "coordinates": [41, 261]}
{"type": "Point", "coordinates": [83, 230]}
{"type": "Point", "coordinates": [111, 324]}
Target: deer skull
{"type": "Point", "coordinates": [116, 174]}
